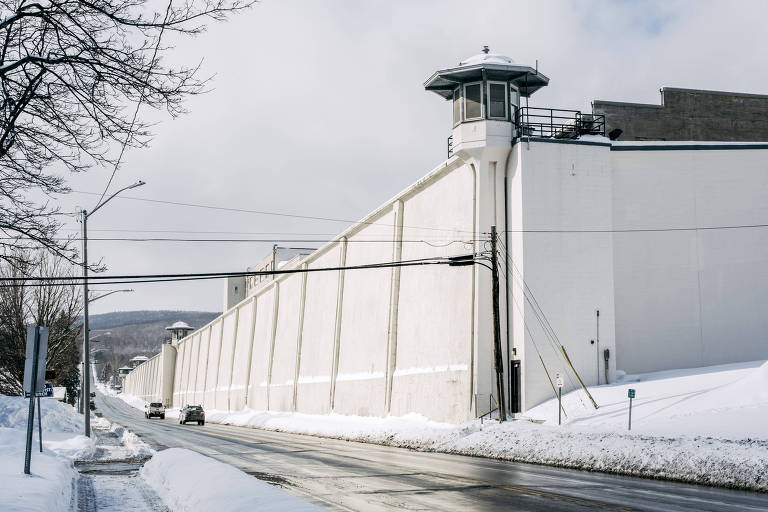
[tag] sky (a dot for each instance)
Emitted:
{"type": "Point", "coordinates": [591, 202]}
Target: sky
{"type": "Point", "coordinates": [318, 109]}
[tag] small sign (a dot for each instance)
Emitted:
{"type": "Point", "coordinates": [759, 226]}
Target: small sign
{"type": "Point", "coordinates": [631, 393]}
{"type": "Point", "coordinates": [42, 353]}
{"type": "Point", "coordinates": [559, 380]}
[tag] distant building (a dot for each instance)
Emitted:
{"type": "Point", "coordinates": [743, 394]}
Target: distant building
{"type": "Point", "coordinates": [688, 115]}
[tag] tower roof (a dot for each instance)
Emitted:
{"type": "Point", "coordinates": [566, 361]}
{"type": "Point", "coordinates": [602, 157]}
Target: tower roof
{"type": "Point", "coordinates": [179, 325]}
{"type": "Point", "coordinates": [495, 67]}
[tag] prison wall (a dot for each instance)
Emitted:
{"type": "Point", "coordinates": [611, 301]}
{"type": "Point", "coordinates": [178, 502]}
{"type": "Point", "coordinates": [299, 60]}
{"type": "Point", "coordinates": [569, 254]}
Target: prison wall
{"type": "Point", "coordinates": [690, 288]}
{"type": "Point", "coordinates": [358, 341]}
{"type": "Point", "coordinates": [560, 264]}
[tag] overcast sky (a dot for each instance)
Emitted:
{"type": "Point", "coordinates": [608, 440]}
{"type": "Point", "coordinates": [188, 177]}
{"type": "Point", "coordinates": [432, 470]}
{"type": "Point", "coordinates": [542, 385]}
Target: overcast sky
{"type": "Point", "coordinates": [318, 108]}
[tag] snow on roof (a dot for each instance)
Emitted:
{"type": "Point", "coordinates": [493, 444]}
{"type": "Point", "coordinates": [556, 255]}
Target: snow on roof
{"type": "Point", "coordinates": [125, 368]}
{"type": "Point", "coordinates": [140, 358]}
{"type": "Point", "coordinates": [179, 325]}
{"type": "Point", "coordinates": [486, 58]}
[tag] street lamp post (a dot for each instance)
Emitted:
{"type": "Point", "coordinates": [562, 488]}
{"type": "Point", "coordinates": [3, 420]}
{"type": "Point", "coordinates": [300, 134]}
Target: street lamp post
{"type": "Point", "coordinates": [86, 387]}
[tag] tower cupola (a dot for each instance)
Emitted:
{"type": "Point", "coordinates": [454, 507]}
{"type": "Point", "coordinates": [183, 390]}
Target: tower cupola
{"type": "Point", "coordinates": [179, 330]}
{"type": "Point", "coordinates": [486, 86]}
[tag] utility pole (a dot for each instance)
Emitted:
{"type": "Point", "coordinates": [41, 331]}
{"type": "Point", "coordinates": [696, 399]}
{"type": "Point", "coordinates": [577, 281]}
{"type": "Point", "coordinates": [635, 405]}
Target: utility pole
{"type": "Point", "coordinates": [85, 395]}
{"type": "Point", "coordinates": [85, 389]}
{"type": "Point", "coordinates": [499, 362]}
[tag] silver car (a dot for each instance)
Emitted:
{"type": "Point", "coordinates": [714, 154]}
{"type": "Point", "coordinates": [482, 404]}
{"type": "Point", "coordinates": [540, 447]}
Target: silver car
{"type": "Point", "coordinates": [155, 409]}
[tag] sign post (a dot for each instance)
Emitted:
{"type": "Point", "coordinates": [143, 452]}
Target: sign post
{"type": "Point", "coordinates": [34, 374]}
{"type": "Point", "coordinates": [631, 395]}
{"type": "Point", "coordinates": [559, 380]}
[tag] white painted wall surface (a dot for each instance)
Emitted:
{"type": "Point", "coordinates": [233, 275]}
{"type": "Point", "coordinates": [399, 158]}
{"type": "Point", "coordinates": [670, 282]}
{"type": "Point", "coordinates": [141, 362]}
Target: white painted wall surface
{"type": "Point", "coordinates": [434, 352]}
{"type": "Point", "coordinates": [690, 298]}
{"type": "Point", "coordinates": [557, 188]}
{"type": "Point", "coordinates": [262, 347]}
{"type": "Point", "coordinates": [317, 348]}
{"type": "Point", "coordinates": [283, 366]}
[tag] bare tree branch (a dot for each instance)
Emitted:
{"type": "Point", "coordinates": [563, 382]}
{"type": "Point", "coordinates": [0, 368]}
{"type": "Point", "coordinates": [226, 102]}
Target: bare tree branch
{"type": "Point", "coordinates": [72, 74]}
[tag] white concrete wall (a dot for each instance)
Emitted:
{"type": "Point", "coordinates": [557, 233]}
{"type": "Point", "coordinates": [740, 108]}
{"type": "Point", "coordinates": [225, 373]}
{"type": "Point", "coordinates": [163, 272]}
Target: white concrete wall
{"type": "Point", "coordinates": [690, 298]}
{"type": "Point", "coordinates": [557, 188]}
{"type": "Point", "coordinates": [365, 342]}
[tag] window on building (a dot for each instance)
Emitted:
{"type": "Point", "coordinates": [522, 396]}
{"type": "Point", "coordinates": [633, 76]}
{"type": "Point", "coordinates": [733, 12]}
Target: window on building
{"type": "Point", "coordinates": [473, 101]}
{"type": "Point", "coordinates": [457, 105]}
{"type": "Point", "coordinates": [497, 100]}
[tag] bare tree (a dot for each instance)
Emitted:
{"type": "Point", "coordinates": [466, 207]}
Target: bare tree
{"type": "Point", "coordinates": [56, 306]}
{"type": "Point", "coordinates": [72, 77]}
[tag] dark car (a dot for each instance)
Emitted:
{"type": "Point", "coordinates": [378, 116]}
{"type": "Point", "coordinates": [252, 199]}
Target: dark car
{"type": "Point", "coordinates": [92, 405]}
{"type": "Point", "coordinates": [192, 413]}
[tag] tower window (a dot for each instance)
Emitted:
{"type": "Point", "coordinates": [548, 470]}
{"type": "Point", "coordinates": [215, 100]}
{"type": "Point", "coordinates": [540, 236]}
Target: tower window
{"type": "Point", "coordinates": [473, 101]}
{"type": "Point", "coordinates": [457, 106]}
{"type": "Point", "coordinates": [497, 100]}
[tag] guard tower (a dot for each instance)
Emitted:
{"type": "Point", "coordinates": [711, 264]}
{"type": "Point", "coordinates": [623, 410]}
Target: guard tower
{"type": "Point", "coordinates": [486, 90]}
{"type": "Point", "coordinates": [179, 330]}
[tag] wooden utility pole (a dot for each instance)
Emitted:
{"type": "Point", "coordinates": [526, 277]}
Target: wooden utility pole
{"type": "Point", "coordinates": [499, 362]}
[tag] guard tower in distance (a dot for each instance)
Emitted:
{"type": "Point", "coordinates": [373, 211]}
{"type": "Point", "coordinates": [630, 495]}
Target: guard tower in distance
{"type": "Point", "coordinates": [486, 90]}
{"type": "Point", "coordinates": [179, 330]}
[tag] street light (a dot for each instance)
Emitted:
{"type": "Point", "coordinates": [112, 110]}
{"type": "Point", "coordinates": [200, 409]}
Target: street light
{"type": "Point", "coordinates": [86, 335]}
{"type": "Point", "coordinates": [110, 292]}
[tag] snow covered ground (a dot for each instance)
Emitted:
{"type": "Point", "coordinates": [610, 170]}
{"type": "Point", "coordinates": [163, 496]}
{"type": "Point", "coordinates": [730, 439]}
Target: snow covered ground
{"type": "Point", "coordinates": [50, 484]}
{"type": "Point", "coordinates": [189, 481]}
{"type": "Point", "coordinates": [704, 425]}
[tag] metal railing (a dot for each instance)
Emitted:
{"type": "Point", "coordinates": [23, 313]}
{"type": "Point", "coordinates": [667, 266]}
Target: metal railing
{"type": "Point", "coordinates": [552, 123]}
{"type": "Point", "coordinates": [450, 146]}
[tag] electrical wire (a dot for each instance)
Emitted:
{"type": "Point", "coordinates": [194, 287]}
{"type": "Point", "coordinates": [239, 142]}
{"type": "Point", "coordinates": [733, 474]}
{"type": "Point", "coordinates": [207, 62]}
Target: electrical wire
{"type": "Point", "coordinates": [247, 240]}
{"type": "Point", "coordinates": [636, 230]}
{"type": "Point", "coordinates": [151, 278]}
{"type": "Point", "coordinates": [541, 317]}
{"type": "Point", "coordinates": [273, 213]}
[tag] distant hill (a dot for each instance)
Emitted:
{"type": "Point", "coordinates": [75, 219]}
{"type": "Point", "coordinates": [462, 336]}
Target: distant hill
{"type": "Point", "coordinates": [120, 318]}
{"type": "Point", "coordinates": [134, 333]}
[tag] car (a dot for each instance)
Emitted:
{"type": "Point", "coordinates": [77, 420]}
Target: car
{"type": "Point", "coordinates": [192, 413]}
{"type": "Point", "coordinates": [154, 409]}
{"type": "Point", "coordinates": [93, 394]}
{"type": "Point", "coordinates": [92, 405]}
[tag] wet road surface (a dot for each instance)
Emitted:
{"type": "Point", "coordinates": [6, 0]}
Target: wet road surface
{"type": "Point", "coordinates": [342, 475]}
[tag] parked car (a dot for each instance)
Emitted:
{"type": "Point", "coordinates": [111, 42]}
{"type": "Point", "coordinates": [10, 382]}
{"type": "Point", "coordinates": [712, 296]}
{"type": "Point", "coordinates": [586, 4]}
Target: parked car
{"type": "Point", "coordinates": [92, 405]}
{"type": "Point", "coordinates": [93, 394]}
{"type": "Point", "coordinates": [154, 409]}
{"type": "Point", "coordinates": [192, 413]}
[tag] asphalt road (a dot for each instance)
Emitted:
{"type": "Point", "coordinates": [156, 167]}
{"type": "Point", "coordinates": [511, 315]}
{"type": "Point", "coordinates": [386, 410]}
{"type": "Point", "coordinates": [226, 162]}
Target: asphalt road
{"type": "Point", "coordinates": [342, 475]}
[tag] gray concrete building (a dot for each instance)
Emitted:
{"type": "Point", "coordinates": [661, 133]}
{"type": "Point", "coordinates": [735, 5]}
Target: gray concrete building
{"type": "Point", "coordinates": [688, 115]}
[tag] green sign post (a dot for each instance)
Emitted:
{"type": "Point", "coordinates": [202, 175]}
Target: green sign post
{"type": "Point", "coordinates": [631, 395]}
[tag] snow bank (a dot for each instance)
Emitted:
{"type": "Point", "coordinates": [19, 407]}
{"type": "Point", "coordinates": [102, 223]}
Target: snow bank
{"type": "Point", "coordinates": [188, 481]}
{"type": "Point", "coordinates": [50, 485]}
{"type": "Point", "coordinates": [725, 402]}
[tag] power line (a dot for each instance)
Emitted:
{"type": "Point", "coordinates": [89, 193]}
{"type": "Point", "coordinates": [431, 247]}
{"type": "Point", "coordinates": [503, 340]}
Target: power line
{"type": "Point", "coordinates": [636, 230]}
{"type": "Point", "coordinates": [272, 213]}
{"type": "Point", "coordinates": [249, 240]}
{"type": "Point", "coordinates": [152, 278]}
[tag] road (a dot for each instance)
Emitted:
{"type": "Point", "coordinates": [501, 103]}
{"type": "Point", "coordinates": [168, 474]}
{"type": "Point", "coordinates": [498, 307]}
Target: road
{"type": "Point", "coordinates": [342, 475]}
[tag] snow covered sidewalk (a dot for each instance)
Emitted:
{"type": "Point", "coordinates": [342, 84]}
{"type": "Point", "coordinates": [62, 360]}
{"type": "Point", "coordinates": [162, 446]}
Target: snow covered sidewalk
{"type": "Point", "coordinates": [50, 486]}
{"type": "Point", "coordinates": [705, 425]}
